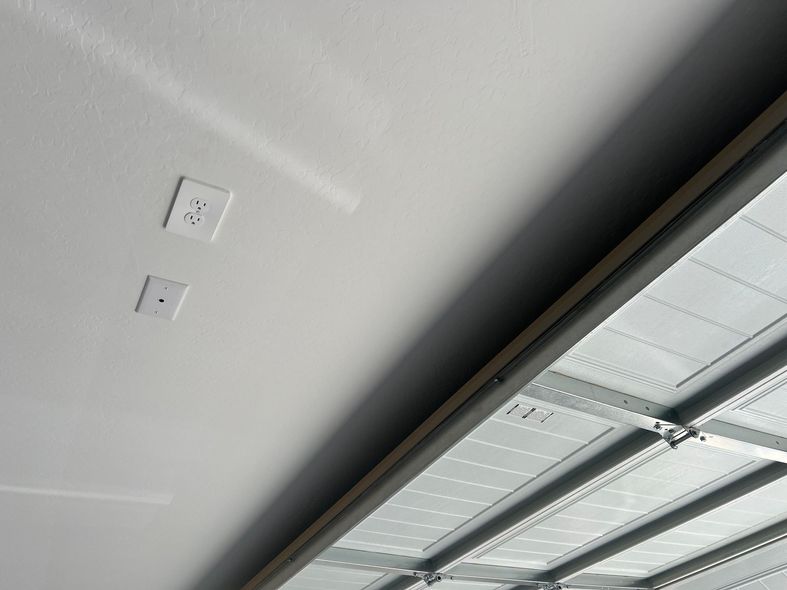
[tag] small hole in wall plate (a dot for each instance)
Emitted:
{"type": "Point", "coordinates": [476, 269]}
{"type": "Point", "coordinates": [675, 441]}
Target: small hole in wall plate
{"type": "Point", "coordinates": [161, 298]}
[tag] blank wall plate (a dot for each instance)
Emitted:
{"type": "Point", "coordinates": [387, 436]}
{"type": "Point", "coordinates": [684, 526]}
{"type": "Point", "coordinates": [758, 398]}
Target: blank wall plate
{"type": "Point", "coordinates": [161, 298]}
{"type": "Point", "coordinates": [197, 210]}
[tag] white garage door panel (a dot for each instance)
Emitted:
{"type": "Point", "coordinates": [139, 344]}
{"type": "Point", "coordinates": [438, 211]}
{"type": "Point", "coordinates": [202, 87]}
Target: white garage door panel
{"type": "Point", "coordinates": [750, 254]}
{"type": "Point", "coordinates": [318, 577]}
{"type": "Point", "coordinates": [718, 297]}
{"type": "Point", "coordinates": [700, 314]}
{"type": "Point", "coordinates": [666, 327]}
{"type": "Point", "coordinates": [499, 457]}
{"type": "Point", "coordinates": [699, 535]}
{"type": "Point", "coordinates": [636, 493]}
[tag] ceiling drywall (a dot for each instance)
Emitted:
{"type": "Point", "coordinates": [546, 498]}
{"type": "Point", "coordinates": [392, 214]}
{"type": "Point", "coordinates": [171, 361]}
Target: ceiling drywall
{"type": "Point", "coordinates": [385, 160]}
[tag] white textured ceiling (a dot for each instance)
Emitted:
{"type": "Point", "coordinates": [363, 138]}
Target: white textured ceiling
{"type": "Point", "coordinates": [379, 154]}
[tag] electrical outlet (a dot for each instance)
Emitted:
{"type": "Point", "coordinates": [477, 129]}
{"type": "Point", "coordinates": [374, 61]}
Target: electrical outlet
{"type": "Point", "coordinates": [199, 205]}
{"type": "Point", "coordinates": [197, 210]}
{"type": "Point", "coordinates": [161, 298]}
{"type": "Point", "coordinates": [193, 218]}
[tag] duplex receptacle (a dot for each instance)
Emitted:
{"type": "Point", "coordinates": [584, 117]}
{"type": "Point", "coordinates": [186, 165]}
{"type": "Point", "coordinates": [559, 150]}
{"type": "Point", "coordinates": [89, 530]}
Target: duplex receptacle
{"type": "Point", "coordinates": [197, 210]}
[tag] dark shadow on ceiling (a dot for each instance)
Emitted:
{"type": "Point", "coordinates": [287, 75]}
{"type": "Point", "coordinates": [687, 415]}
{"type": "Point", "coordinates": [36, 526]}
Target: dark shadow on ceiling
{"type": "Point", "coordinates": [733, 73]}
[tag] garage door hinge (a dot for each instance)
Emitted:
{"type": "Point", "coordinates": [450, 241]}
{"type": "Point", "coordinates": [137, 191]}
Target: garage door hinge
{"type": "Point", "coordinates": [429, 578]}
{"type": "Point", "coordinates": [674, 435]}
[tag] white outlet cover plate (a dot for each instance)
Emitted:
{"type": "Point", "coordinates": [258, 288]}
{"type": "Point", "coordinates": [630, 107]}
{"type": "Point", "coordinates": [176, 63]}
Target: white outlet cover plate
{"type": "Point", "coordinates": [192, 191]}
{"type": "Point", "coordinates": [161, 298]}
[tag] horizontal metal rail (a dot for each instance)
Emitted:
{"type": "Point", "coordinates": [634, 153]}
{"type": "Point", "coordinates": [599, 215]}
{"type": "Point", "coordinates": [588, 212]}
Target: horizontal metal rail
{"type": "Point", "coordinates": [574, 394]}
{"type": "Point", "coordinates": [525, 578]}
{"type": "Point", "coordinates": [384, 563]}
{"type": "Point", "coordinates": [745, 441]}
